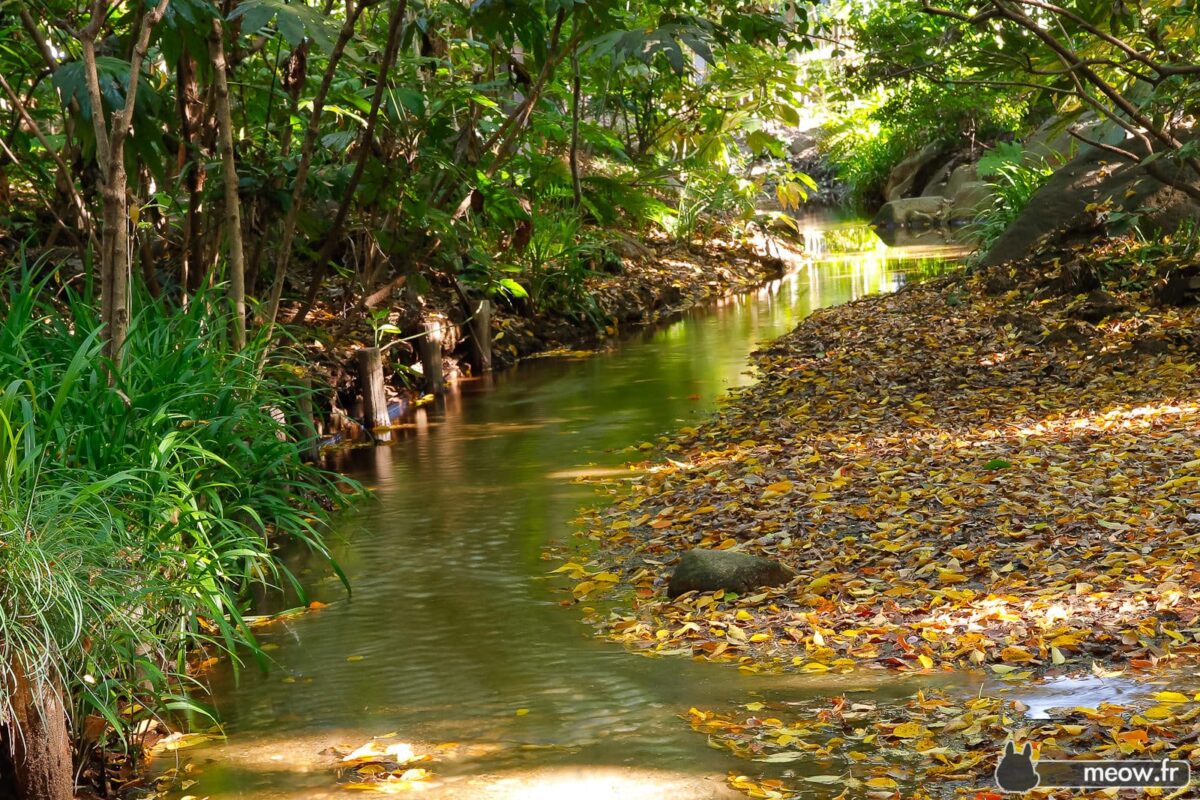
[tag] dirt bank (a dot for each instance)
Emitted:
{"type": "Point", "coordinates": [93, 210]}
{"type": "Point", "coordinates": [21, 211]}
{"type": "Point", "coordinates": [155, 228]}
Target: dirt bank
{"type": "Point", "coordinates": [993, 472]}
{"type": "Point", "coordinates": [991, 468]}
{"type": "Point", "coordinates": [656, 281]}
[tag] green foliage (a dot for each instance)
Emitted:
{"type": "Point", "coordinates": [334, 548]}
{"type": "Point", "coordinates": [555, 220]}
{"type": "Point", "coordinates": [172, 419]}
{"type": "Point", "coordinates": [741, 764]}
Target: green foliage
{"type": "Point", "coordinates": [885, 106]}
{"type": "Point", "coordinates": [707, 199]}
{"type": "Point", "coordinates": [668, 89]}
{"type": "Point", "coordinates": [136, 514]}
{"type": "Point", "coordinates": [975, 71]}
{"type": "Point", "coordinates": [1013, 176]}
{"type": "Point", "coordinates": [861, 149]}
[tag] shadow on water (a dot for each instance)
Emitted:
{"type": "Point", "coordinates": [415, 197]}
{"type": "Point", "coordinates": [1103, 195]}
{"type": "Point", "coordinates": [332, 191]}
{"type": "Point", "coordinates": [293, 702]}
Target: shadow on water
{"type": "Point", "coordinates": [452, 635]}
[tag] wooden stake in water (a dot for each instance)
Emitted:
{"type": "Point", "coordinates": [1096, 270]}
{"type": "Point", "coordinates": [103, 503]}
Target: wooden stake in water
{"type": "Point", "coordinates": [370, 377]}
{"type": "Point", "coordinates": [308, 424]}
{"type": "Point", "coordinates": [481, 336]}
{"type": "Point", "coordinates": [430, 348]}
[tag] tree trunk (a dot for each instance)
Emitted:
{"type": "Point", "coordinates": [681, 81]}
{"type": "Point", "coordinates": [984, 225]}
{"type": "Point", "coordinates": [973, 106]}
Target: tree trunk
{"type": "Point", "coordinates": [576, 96]}
{"type": "Point", "coordinates": [110, 154]}
{"type": "Point", "coordinates": [114, 260]}
{"type": "Point", "coordinates": [233, 209]}
{"type": "Point", "coordinates": [311, 133]}
{"type": "Point", "coordinates": [35, 743]}
{"type": "Point", "coordinates": [364, 149]}
{"type": "Point", "coordinates": [187, 98]}
{"type": "Point", "coordinates": [370, 377]}
{"type": "Point", "coordinates": [481, 337]}
{"type": "Point", "coordinates": [429, 347]}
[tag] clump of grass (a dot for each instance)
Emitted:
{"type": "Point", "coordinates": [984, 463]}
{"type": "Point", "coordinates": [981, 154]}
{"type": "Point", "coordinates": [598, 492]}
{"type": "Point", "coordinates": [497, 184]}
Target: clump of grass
{"type": "Point", "coordinates": [140, 506]}
{"type": "Point", "coordinates": [1014, 178]}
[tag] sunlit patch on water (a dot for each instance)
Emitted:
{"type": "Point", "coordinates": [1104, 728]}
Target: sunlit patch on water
{"type": "Point", "coordinates": [589, 472]}
{"type": "Point", "coordinates": [1064, 693]}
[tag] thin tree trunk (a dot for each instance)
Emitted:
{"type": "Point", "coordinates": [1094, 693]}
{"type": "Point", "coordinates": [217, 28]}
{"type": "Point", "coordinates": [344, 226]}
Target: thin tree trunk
{"type": "Point", "coordinates": [284, 255]}
{"type": "Point", "coordinates": [145, 245]}
{"type": "Point", "coordinates": [189, 105]}
{"type": "Point", "coordinates": [365, 144]}
{"type": "Point", "coordinates": [110, 153]}
{"type": "Point", "coordinates": [233, 208]}
{"type": "Point", "coordinates": [576, 96]}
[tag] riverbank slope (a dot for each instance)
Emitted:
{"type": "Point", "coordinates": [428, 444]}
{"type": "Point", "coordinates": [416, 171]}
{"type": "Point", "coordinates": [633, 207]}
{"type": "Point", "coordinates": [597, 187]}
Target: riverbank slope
{"type": "Point", "coordinates": [656, 280]}
{"type": "Point", "coordinates": [990, 471]}
{"type": "Point", "coordinates": [994, 463]}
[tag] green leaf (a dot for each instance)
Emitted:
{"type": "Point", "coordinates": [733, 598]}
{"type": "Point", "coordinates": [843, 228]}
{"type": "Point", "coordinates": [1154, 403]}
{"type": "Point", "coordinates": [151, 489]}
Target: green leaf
{"type": "Point", "coordinates": [513, 288]}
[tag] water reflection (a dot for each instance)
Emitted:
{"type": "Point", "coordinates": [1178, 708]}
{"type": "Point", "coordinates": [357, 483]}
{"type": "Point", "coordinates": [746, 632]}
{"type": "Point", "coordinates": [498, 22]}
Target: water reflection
{"type": "Point", "coordinates": [452, 633]}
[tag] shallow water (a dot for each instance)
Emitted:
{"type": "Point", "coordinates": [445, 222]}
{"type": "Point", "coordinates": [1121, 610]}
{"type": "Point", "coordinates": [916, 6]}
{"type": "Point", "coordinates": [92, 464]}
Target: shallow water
{"type": "Point", "coordinates": [453, 635]}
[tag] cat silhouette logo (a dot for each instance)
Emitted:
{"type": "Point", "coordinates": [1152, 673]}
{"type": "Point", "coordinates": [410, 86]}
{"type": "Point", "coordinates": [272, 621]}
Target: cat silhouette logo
{"type": "Point", "coordinates": [1015, 772]}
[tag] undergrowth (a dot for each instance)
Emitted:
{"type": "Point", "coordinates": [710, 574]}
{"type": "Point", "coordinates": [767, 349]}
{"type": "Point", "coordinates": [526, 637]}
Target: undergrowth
{"type": "Point", "coordinates": [138, 507]}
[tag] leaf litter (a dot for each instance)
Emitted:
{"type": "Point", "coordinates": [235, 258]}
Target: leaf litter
{"type": "Point", "coordinates": [982, 472]}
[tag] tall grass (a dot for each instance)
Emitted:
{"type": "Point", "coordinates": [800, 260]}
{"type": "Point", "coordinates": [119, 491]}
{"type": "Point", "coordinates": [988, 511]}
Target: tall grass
{"type": "Point", "coordinates": [140, 506]}
{"type": "Point", "coordinates": [1014, 177]}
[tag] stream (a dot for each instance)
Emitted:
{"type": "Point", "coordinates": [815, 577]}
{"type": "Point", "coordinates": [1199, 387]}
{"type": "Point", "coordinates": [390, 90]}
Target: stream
{"type": "Point", "coordinates": [455, 640]}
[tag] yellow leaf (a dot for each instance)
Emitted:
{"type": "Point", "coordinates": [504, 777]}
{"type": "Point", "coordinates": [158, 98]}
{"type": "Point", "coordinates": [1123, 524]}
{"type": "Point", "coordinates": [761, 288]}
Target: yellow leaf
{"type": "Point", "coordinates": [1016, 654]}
{"type": "Point", "coordinates": [908, 730]}
{"type": "Point", "coordinates": [1170, 697]}
{"type": "Point", "coordinates": [380, 750]}
{"type": "Point", "coordinates": [821, 583]}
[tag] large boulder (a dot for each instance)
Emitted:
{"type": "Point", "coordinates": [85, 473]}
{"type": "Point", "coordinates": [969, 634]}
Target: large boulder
{"type": "Point", "coordinates": [911, 172]}
{"type": "Point", "coordinates": [912, 212]}
{"type": "Point", "coordinates": [801, 143]}
{"type": "Point", "coordinates": [1060, 208]}
{"type": "Point", "coordinates": [709, 570]}
{"type": "Point", "coordinates": [968, 200]}
{"type": "Point", "coordinates": [1053, 144]}
{"type": "Point", "coordinates": [960, 177]}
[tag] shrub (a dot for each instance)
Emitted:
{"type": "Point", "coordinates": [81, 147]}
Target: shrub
{"type": "Point", "coordinates": [139, 508]}
{"type": "Point", "coordinates": [1013, 178]}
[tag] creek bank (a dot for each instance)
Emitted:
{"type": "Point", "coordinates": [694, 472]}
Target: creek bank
{"type": "Point", "coordinates": [656, 281]}
{"type": "Point", "coordinates": [985, 469]}
{"type": "Point", "coordinates": [1090, 194]}
{"type": "Point", "coordinates": [940, 185]}
{"type": "Point", "coordinates": [992, 472]}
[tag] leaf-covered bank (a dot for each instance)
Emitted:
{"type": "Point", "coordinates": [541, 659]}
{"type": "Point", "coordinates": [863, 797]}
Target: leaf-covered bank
{"type": "Point", "coordinates": [993, 470]}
